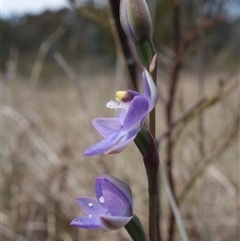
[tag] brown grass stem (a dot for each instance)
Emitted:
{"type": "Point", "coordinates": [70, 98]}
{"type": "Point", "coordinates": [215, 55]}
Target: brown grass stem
{"type": "Point", "coordinates": [122, 44]}
{"type": "Point", "coordinates": [199, 107]}
{"type": "Point", "coordinates": [181, 119]}
{"type": "Point", "coordinates": [170, 105]}
{"type": "Point", "coordinates": [180, 48]}
{"type": "Point", "coordinates": [201, 91]}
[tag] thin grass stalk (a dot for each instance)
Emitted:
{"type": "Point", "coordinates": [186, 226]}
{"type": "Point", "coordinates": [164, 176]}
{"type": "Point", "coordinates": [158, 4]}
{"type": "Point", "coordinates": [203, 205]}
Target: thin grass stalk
{"type": "Point", "coordinates": [175, 209]}
{"type": "Point", "coordinates": [45, 46]}
{"type": "Point", "coordinates": [201, 88]}
{"type": "Point", "coordinates": [170, 106]}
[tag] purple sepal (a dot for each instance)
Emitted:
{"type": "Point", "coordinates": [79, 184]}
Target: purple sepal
{"type": "Point", "coordinates": [113, 223]}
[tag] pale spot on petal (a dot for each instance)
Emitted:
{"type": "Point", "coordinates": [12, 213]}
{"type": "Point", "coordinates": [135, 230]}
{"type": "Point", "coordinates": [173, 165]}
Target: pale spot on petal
{"type": "Point", "coordinates": [101, 199]}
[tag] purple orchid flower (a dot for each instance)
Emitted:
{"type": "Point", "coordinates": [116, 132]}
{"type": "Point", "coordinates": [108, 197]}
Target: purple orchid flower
{"type": "Point", "coordinates": [133, 110]}
{"type": "Point", "coordinates": [112, 207]}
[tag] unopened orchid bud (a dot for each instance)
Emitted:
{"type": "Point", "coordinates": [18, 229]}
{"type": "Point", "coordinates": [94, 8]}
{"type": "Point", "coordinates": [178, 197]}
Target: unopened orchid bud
{"type": "Point", "coordinates": [135, 19]}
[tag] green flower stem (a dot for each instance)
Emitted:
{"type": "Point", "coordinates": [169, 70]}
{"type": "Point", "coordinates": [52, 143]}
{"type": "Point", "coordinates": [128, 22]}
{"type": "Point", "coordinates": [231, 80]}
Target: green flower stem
{"type": "Point", "coordinates": [146, 51]}
{"type": "Point", "coordinates": [147, 146]}
{"type": "Point", "coordinates": [135, 229]}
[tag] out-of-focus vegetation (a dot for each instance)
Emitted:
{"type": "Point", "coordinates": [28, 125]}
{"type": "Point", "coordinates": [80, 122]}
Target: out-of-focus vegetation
{"type": "Point", "coordinates": [83, 39]}
{"type": "Point", "coordinates": [45, 130]}
{"type": "Point", "coordinates": [88, 39]}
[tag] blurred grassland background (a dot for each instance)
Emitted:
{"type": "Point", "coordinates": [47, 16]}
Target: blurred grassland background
{"type": "Point", "coordinates": [47, 108]}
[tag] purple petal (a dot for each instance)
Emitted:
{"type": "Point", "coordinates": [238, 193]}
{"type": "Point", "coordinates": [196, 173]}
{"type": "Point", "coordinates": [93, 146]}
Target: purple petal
{"type": "Point", "coordinates": [104, 145]}
{"type": "Point", "coordinates": [149, 89]}
{"type": "Point", "coordinates": [89, 222]}
{"type": "Point", "coordinates": [114, 222]}
{"type": "Point", "coordinates": [91, 206]}
{"type": "Point", "coordinates": [107, 126]}
{"type": "Point", "coordinates": [116, 202]}
{"type": "Point", "coordinates": [98, 190]}
{"type": "Point", "coordinates": [121, 185]}
{"type": "Point", "coordinates": [123, 143]}
{"type": "Point", "coordinates": [137, 111]}
{"type": "Point", "coordinates": [134, 93]}
{"type": "Point", "coordinates": [124, 106]}
{"type": "Point", "coordinates": [122, 115]}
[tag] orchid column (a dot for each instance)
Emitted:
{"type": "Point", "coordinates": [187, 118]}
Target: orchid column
{"type": "Point", "coordinates": [136, 22]}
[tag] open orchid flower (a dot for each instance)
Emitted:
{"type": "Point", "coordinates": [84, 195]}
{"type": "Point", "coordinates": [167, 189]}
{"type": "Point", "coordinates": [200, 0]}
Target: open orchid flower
{"type": "Point", "coordinates": [133, 110]}
{"type": "Point", "coordinates": [112, 207]}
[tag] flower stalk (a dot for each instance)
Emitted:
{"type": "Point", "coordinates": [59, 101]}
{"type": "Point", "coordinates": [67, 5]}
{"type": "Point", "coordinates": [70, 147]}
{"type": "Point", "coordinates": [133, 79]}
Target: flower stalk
{"type": "Point", "coordinates": [147, 146]}
{"type": "Point", "coordinates": [136, 230]}
{"type": "Point", "coordinates": [136, 22]}
{"type": "Point", "coordinates": [112, 207]}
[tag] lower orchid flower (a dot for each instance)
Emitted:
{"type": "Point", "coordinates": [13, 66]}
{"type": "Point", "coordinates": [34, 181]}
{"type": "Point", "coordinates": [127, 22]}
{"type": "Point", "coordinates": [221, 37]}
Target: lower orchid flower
{"type": "Point", "coordinates": [112, 207]}
{"type": "Point", "coordinates": [133, 110]}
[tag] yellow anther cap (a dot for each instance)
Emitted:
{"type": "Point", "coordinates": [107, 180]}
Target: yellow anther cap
{"type": "Point", "coordinates": [120, 95]}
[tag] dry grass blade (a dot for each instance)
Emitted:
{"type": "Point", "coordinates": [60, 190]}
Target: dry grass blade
{"type": "Point", "coordinates": [37, 140]}
{"type": "Point", "coordinates": [10, 234]}
{"type": "Point", "coordinates": [74, 79]}
{"type": "Point", "coordinates": [175, 209]}
{"type": "Point", "coordinates": [181, 119]}
{"type": "Point", "coordinates": [216, 152]}
{"type": "Point", "coordinates": [200, 106]}
{"type": "Point", "coordinates": [222, 179]}
{"type": "Point", "coordinates": [51, 228]}
{"type": "Point", "coordinates": [45, 46]}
